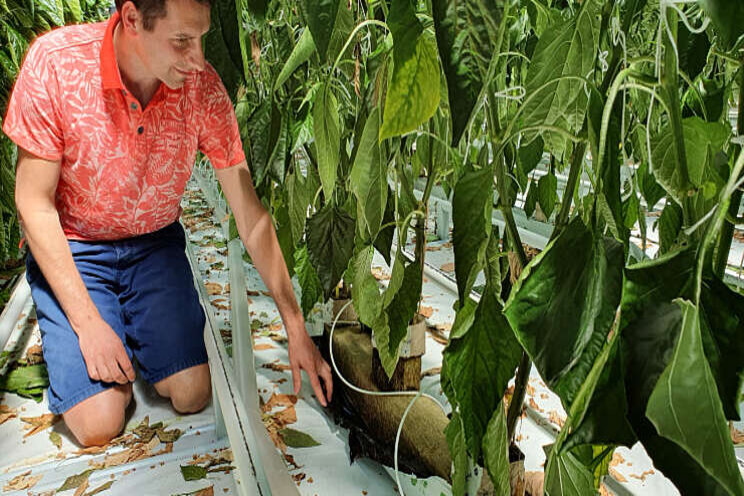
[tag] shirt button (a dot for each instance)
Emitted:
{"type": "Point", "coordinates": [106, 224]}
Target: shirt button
{"type": "Point", "coordinates": [134, 106]}
{"type": "Point", "coordinates": [140, 130]}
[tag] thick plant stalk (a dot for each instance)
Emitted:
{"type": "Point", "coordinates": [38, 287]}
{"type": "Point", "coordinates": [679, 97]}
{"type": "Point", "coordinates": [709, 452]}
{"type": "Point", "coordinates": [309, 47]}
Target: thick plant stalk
{"type": "Point", "coordinates": [727, 232]}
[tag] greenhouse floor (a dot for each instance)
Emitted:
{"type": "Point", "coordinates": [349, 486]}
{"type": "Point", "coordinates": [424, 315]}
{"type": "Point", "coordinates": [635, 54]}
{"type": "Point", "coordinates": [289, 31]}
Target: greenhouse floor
{"type": "Point", "coordinates": [44, 456]}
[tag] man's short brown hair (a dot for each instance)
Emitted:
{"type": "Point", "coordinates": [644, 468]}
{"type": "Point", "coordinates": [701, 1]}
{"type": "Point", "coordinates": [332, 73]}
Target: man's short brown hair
{"type": "Point", "coordinates": [151, 10]}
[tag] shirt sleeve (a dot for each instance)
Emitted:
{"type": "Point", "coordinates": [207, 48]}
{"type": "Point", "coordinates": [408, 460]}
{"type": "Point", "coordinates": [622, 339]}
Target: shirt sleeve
{"type": "Point", "coordinates": [219, 134]}
{"type": "Point", "coordinates": [33, 121]}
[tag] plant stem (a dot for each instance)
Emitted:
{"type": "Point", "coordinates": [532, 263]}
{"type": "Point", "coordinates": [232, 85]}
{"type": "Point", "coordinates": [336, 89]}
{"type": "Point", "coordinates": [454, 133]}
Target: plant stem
{"type": "Point", "coordinates": [727, 232]}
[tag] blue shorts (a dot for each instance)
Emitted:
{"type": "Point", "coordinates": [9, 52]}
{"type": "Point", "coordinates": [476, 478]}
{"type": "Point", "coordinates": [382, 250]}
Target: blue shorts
{"type": "Point", "coordinates": [144, 289]}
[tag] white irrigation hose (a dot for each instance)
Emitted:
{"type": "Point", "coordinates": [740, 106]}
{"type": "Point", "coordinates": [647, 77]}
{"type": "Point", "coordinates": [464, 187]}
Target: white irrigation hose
{"type": "Point", "coordinates": [416, 396]}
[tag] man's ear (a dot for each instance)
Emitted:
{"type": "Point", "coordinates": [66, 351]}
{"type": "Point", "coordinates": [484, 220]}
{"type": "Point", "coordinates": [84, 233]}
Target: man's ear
{"type": "Point", "coordinates": [130, 18]}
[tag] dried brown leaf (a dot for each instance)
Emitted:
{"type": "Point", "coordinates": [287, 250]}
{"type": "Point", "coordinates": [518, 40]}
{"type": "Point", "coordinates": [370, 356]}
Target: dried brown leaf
{"type": "Point", "coordinates": [22, 481]}
{"type": "Point", "coordinates": [448, 267]}
{"type": "Point", "coordinates": [38, 424]}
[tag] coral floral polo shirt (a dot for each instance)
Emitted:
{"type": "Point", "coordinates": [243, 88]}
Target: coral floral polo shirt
{"type": "Point", "coordinates": [123, 168]}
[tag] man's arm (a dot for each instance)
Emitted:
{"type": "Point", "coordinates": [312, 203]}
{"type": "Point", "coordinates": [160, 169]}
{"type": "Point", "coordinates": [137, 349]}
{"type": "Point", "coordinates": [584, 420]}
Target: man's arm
{"type": "Point", "coordinates": [258, 235]}
{"type": "Point", "coordinates": [103, 351]}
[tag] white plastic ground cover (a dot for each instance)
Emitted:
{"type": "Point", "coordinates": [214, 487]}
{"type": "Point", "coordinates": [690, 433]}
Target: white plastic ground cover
{"type": "Point", "coordinates": [37, 455]}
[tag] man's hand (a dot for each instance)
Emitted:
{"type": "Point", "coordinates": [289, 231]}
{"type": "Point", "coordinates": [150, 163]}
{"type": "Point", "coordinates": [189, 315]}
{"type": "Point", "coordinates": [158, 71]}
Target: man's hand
{"type": "Point", "coordinates": [104, 354]}
{"type": "Point", "coordinates": [304, 355]}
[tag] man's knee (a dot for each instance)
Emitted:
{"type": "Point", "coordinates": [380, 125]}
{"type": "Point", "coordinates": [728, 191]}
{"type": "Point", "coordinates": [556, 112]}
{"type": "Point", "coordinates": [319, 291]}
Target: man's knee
{"type": "Point", "coordinates": [97, 420]}
{"type": "Point", "coordinates": [189, 390]}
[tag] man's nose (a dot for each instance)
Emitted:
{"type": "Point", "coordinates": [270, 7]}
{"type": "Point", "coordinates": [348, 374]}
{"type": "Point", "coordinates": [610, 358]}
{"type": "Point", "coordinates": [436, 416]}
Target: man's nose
{"type": "Point", "coordinates": [196, 57]}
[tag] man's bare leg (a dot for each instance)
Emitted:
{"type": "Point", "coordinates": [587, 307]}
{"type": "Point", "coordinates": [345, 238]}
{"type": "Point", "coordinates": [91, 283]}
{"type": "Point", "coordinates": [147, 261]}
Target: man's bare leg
{"type": "Point", "coordinates": [189, 389]}
{"type": "Point", "coordinates": [97, 420]}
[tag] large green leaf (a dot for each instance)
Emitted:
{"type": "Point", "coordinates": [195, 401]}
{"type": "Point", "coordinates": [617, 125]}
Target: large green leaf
{"type": "Point", "coordinates": [368, 177]}
{"type": "Point", "coordinates": [321, 18]}
{"type": "Point", "coordinates": [670, 225]}
{"type": "Point", "coordinates": [413, 94]}
{"type": "Point", "coordinates": [299, 199]}
{"type": "Point", "coordinates": [565, 49]}
{"type": "Point", "coordinates": [76, 12]}
{"type": "Point", "coordinates": [222, 45]}
{"type": "Point", "coordinates": [392, 326]}
{"type": "Point", "coordinates": [496, 452]}
{"type": "Point", "coordinates": [364, 288]}
{"type": "Point", "coordinates": [727, 17]}
{"type": "Point", "coordinates": [722, 318]}
{"type": "Point", "coordinates": [53, 10]}
{"type": "Point", "coordinates": [330, 243]}
{"type": "Point", "coordinates": [564, 304]}
{"type": "Point", "coordinates": [384, 240]}
{"type": "Point", "coordinates": [686, 393]}
{"type": "Point", "coordinates": [702, 140]}
{"type": "Point", "coordinates": [456, 444]}
{"type": "Point", "coordinates": [547, 193]}
{"type": "Point", "coordinates": [327, 137]}
{"type": "Point", "coordinates": [308, 279]}
{"type": "Point", "coordinates": [341, 31]}
{"type": "Point", "coordinates": [467, 34]}
{"type": "Point", "coordinates": [477, 367]}
{"type": "Point", "coordinates": [300, 54]}
{"type": "Point", "coordinates": [648, 347]}
{"type": "Point", "coordinates": [472, 205]}
{"type": "Point", "coordinates": [566, 475]}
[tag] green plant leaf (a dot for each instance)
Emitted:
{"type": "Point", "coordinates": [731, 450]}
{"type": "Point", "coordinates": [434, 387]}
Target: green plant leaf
{"type": "Point", "coordinates": [722, 326]}
{"type": "Point", "coordinates": [496, 452]}
{"type": "Point", "coordinates": [413, 94]}
{"type": "Point", "coordinates": [76, 12]}
{"type": "Point", "coordinates": [565, 474]}
{"type": "Point", "coordinates": [392, 327]}
{"type": "Point", "coordinates": [300, 54]}
{"type": "Point", "coordinates": [467, 38]}
{"type": "Point", "coordinates": [651, 190]}
{"type": "Point", "coordinates": [368, 178]}
{"type": "Point", "coordinates": [257, 8]}
{"type": "Point", "coordinates": [564, 304]}
{"type": "Point", "coordinates": [321, 18]}
{"type": "Point", "coordinates": [456, 443]}
{"type": "Point", "coordinates": [565, 49]}
{"type": "Point", "coordinates": [327, 137]}
{"type": "Point", "coordinates": [547, 193]}
{"type": "Point", "coordinates": [528, 157]}
{"type": "Point", "coordinates": [472, 205]}
{"type": "Point", "coordinates": [530, 202]}
{"type": "Point", "coordinates": [53, 11]}
{"type": "Point", "coordinates": [670, 224]}
{"type": "Point", "coordinates": [299, 198]}
{"type": "Point", "coordinates": [364, 289]}
{"type": "Point", "coordinates": [727, 17]}
{"type": "Point", "coordinates": [330, 245]}
{"type": "Point", "coordinates": [193, 472]}
{"type": "Point", "coordinates": [341, 32]}
{"type": "Point", "coordinates": [297, 439]}
{"type": "Point", "coordinates": [477, 367]}
{"type": "Point", "coordinates": [684, 394]}
{"type": "Point", "coordinates": [384, 241]}
{"type": "Point", "coordinates": [222, 45]}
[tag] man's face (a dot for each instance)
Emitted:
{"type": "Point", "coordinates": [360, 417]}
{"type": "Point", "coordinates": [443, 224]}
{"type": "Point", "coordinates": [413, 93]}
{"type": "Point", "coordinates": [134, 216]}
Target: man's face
{"type": "Point", "coordinates": [173, 48]}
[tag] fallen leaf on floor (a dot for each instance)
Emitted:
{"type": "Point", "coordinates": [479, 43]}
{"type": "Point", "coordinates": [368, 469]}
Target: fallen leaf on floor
{"type": "Point", "coordinates": [220, 304]}
{"type": "Point", "coordinates": [170, 436]}
{"type": "Point", "coordinates": [279, 400]}
{"type": "Point", "coordinates": [438, 335]}
{"type": "Point", "coordinates": [642, 476]}
{"type": "Point", "coordinates": [81, 488]}
{"type": "Point", "coordinates": [263, 347]}
{"type": "Point", "coordinates": [266, 293]}
{"type": "Point", "coordinates": [22, 481]}
{"type": "Point", "coordinates": [379, 274]}
{"type": "Point", "coordinates": [535, 406]}
{"type": "Point", "coordinates": [297, 439]}
{"type": "Point", "coordinates": [250, 292]}
{"type": "Point", "coordinates": [433, 248]}
{"type": "Point", "coordinates": [34, 355]}
{"type": "Point", "coordinates": [27, 381]}
{"type": "Point", "coordinates": [56, 439]}
{"type": "Point", "coordinates": [431, 372]}
{"type": "Point", "coordinates": [556, 418]}
{"type": "Point", "coordinates": [193, 472]}
{"type": "Point", "coordinates": [7, 413]}
{"type": "Point", "coordinates": [617, 459]}
{"type": "Point", "coordinates": [276, 366]}
{"type": "Point", "coordinates": [279, 338]}
{"type": "Point", "coordinates": [448, 267]}
{"type": "Point", "coordinates": [207, 491]}
{"type": "Point", "coordinates": [286, 416]}
{"type": "Point", "coordinates": [298, 477]}
{"type": "Point", "coordinates": [91, 450]}
{"type": "Point", "coordinates": [74, 481]}
{"type": "Point", "coordinates": [213, 288]}
{"type": "Point", "coordinates": [35, 425]}
{"type": "Point", "coordinates": [100, 489]}
{"type": "Point", "coordinates": [426, 311]}
{"type": "Point", "coordinates": [617, 475]}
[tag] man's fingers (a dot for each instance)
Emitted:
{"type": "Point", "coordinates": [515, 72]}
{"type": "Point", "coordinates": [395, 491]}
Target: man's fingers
{"type": "Point", "coordinates": [325, 373]}
{"type": "Point", "coordinates": [296, 379]}
{"type": "Point", "coordinates": [316, 387]}
{"type": "Point", "coordinates": [93, 373]}
{"type": "Point", "coordinates": [126, 366]}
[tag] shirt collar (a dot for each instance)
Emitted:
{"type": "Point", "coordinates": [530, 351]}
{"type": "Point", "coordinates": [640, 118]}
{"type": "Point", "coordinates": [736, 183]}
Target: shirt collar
{"type": "Point", "coordinates": [110, 76]}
